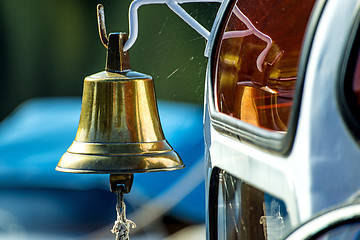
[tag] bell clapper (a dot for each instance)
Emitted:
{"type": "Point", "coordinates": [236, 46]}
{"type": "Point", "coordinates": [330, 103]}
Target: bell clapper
{"type": "Point", "coordinates": [120, 184]}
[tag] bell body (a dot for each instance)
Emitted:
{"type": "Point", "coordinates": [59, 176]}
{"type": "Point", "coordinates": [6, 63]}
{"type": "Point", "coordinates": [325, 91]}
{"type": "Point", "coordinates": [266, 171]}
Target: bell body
{"type": "Point", "coordinates": [119, 129]}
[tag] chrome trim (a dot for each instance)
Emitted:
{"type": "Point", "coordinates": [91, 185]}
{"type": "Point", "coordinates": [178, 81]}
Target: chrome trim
{"type": "Point", "coordinates": [326, 221]}
{"type": "Point", "coordinates": [215, 26]}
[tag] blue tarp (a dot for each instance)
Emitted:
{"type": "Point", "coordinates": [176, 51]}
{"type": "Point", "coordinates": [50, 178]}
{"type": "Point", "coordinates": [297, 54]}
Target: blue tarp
{"type": "Point", "coordinates": [35, 136]}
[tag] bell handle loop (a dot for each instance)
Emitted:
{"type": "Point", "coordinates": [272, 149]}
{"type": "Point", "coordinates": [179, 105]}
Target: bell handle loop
{"type": "Point", "coordinates": [174, 5]}
{"type": "Point", "coordinates": [101, 25]}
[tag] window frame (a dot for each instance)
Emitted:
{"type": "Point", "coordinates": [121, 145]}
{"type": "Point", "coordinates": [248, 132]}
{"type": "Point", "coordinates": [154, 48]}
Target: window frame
{"type": "Point", "coordinates": [244, 132]}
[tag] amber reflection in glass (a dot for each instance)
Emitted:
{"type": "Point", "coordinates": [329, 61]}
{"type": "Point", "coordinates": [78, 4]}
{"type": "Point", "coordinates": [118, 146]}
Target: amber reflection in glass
{"type": "Point", "coordinates": [257, 60]}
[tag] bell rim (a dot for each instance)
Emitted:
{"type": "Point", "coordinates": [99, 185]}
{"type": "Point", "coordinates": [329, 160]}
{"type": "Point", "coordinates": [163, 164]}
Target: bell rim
{"type": "Point", "coordinates": [137, 163]}
{"type": "Point", "coordinates": [127, 171]}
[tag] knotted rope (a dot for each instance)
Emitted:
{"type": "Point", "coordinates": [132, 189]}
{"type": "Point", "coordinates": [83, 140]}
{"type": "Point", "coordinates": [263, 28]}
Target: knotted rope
{"type": "Point", "coordinates": [122, 225]}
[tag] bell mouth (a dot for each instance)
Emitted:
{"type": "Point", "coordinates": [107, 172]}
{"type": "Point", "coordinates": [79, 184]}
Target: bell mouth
{"type": "Point", "coordinates": [119, 158]}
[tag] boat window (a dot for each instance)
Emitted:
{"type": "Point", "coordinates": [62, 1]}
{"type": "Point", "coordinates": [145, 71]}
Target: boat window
{"type": "Point", "coordinates": [256, 63]}
{"type": "Point", "coordinates": [245, 212]}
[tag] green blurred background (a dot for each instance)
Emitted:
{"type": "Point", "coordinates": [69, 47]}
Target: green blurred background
{"type": "Point", "coordinates": [48, 47]}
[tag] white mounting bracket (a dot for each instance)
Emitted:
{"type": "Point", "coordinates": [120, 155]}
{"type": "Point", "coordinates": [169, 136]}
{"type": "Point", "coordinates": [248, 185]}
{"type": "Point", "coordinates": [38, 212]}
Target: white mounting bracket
{"type": "Point", "coordinates": [174, 5]}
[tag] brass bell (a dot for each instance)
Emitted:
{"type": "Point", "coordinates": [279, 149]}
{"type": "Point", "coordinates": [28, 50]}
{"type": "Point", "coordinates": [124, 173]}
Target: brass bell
{"type": "Point", "coordinates": [119, 130]}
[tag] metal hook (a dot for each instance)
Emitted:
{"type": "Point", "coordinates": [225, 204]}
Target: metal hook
{"type": "Point", "coordinates": [101, 25]}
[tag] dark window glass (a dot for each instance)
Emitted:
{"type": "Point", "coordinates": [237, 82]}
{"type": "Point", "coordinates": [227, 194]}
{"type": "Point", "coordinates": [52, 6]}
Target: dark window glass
{"type": "Point", "coordinates": [350, 85]}
{"type": "Point", "coordinates": [356, 80]}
